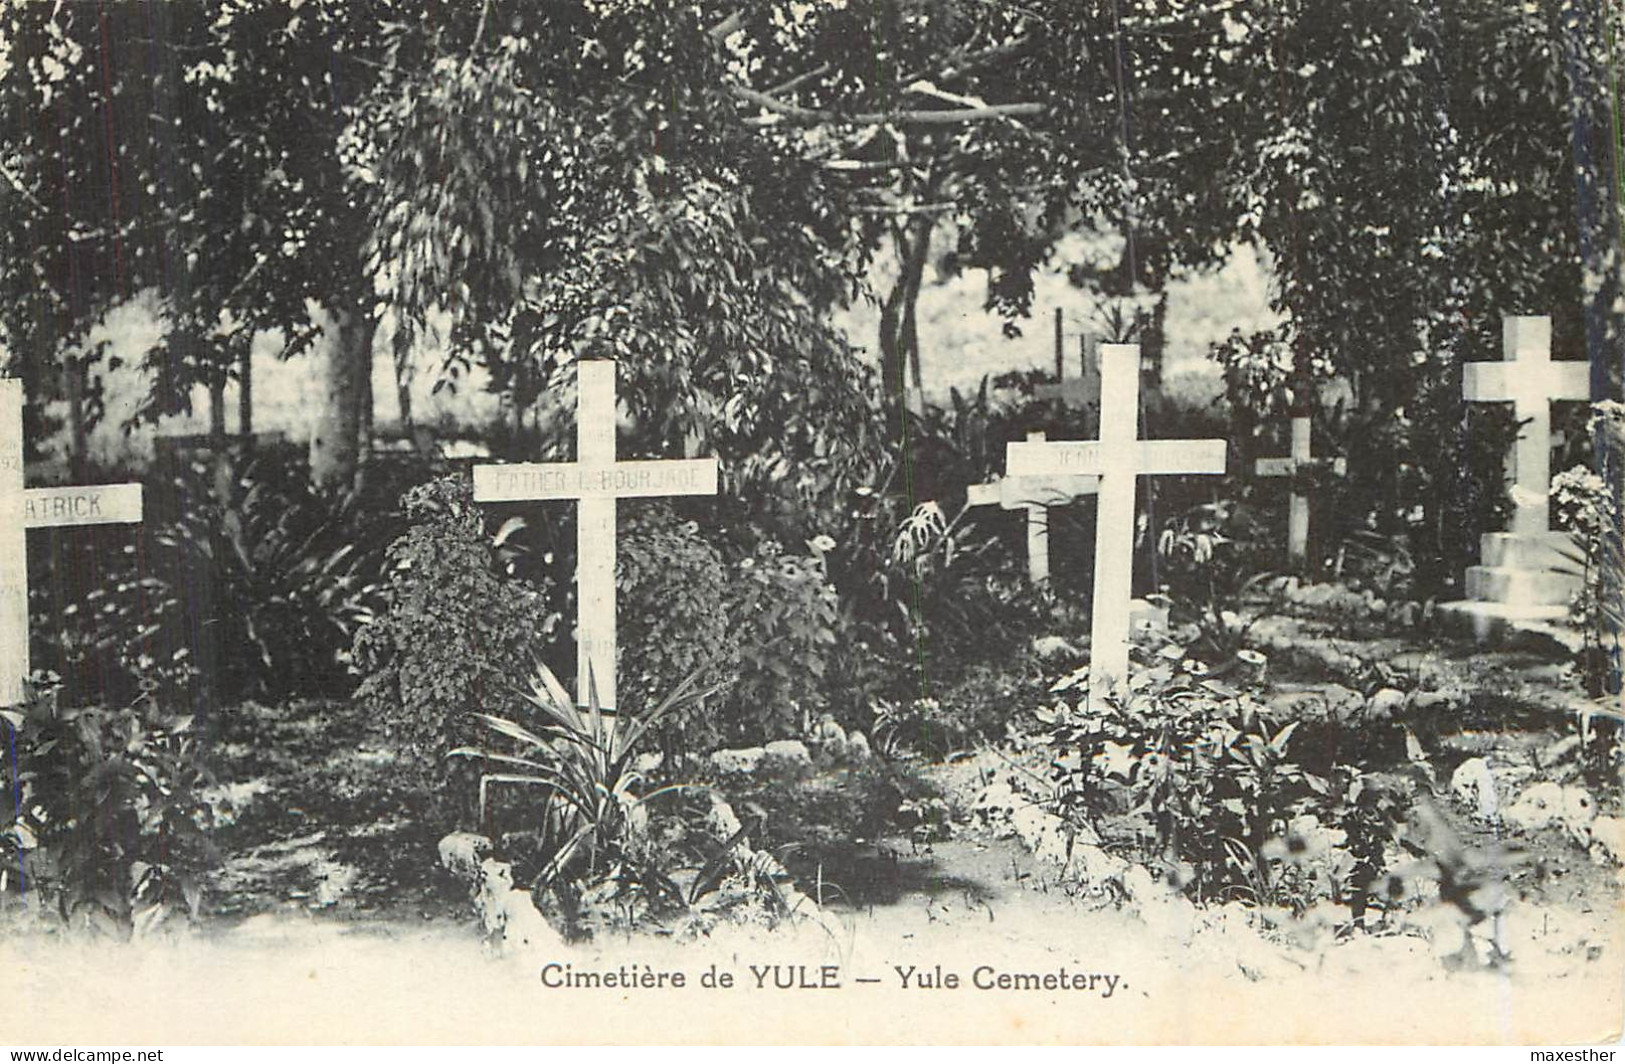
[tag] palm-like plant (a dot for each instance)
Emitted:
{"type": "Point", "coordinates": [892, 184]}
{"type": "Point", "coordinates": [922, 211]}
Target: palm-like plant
{"type": "Point", "coordinates": [584, 761]}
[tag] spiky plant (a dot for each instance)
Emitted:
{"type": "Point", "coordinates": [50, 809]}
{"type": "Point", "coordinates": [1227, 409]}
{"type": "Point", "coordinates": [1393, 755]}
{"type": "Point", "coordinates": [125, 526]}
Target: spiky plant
{"type": "Point", "coordinates": [583, 760]}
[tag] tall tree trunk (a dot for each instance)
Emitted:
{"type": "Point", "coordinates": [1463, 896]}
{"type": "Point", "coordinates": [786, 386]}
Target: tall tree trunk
{"type": "Point", "coordinates": [335, 445]}
{"type": "Point", "coordinates": [245, 389]}
{"type": "Point", "coordinates": [899, 329]}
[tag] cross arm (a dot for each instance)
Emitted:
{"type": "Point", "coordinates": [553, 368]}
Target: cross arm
{"type": "Point", "coordinates": [93, 504]}
{"type": "Point", "coordinates": [1141, 457]}
{"type": "Point", "coordinates": [527, 482]}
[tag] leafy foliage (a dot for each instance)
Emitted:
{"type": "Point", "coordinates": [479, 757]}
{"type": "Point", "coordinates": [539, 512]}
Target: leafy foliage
{"type": "Point", "coordinates": [1194, 775]}
{"type": "Point", "coordinates": [785, 617]}
{"type": "Point", "coordinates": [111, 825]}
{"type": "Point", "coordinates": [257, 593]}
{"type": "Point", "coordinates": [589, 815]}
{"type": "Point", "coordinates": [454, 631]}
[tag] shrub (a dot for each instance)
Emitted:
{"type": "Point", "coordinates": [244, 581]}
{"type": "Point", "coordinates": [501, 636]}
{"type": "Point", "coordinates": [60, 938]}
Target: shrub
{"type": "Point", "coordinates": [453, 632]}
{"type": "Point", "coordinates": [1194, 775]}
{"type": "Point", "coordinates": [1588, 505]}
{"type": "Point", "coordinates": [785, 613]}
{"type": "Point", "coordinates": [111, 826]}
{"type": "Point", "coordinates": [673, 620]}
{"type": "Point", "coordinates": [258, 594]}
{"type": "Point", "coordinates": [1213, 558]}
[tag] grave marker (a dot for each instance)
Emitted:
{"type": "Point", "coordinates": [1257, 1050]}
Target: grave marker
{"type": "Point", "coordinates": [595, 479]}
{"type": "Point", "coordinates": [1301, 455]}
{"type": "Point", "coordinates": [1119, 458]}
{"type": "Point", "coordinates": [1035, 495]}
{"type": "Point", "coordinates": [1525, 579]}
{"type": "Point", "coordinates": [1531, 382]}
{"type": "Point", "coordinates": [96, 504]}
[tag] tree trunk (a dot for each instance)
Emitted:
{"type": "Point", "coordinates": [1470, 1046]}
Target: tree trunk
{"type": "Point", "coordinates": [336, 443]}
{"type": "Point", "coordinates": [899, 331]}
{"type": "Point", "coordinates": [78, 434]}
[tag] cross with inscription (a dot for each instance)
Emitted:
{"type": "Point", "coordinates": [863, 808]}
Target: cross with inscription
{"type": "Point", "coordinates": [1035, 495]}
{"type": "Point", "coordinates": [1531, 382]}
{"type": "Point", "coordinates": [95, 504]}
{"type": "Point", "coordinates": [1300, 456]}
{"type": "Point", "coordinates": [596, 480]}
{"type": "Point", "coordinates": [1119, 458]}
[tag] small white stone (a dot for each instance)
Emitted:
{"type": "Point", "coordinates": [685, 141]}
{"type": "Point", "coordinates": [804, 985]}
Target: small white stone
{"type": "Point", "coordinates": [1473, 784]}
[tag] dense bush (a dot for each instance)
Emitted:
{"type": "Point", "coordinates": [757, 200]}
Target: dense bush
{"type": "Point", "coordinates": [455, 636]}
{"type": "Point", "coordinates": [785, 613]}
{"type": "Point", "coordinates": [673, 620]}
{"type": "Point", "coordinates": [111, 826]}
{"type": "Point", "coordinates": [257, 593]}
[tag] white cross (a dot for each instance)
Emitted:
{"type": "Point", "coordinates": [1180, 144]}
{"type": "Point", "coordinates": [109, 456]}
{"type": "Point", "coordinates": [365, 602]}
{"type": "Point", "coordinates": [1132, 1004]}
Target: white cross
{"type": "Point", "coordinates": [1034, 495]}
{"type": "Point", "coordinates": [596, 479]}
{"type": "Point", "coordinates": [1531, 381]}
{"type": "Point", "coordinates": [1119, 457]}
{"type": "Point", "coordinates": [1301, 455]}
{"type": "Point", "coordinates": [98, 504]}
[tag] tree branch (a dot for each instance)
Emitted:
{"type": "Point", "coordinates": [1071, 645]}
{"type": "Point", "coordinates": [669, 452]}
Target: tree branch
{"type": "Point", "coordinates": [789, 114]}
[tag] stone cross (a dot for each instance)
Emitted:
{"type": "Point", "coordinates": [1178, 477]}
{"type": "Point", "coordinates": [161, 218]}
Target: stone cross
{"type": "Point", "coordinates": [97, 504]}
{"type": "Point", "coordinates": [1035, 495]}
{"type": "Point", "coordinates": [1300, 456]}
{"type": "Point", "coordinates": [1118, 458]}
{"type": "Point", "coordinates": [596, 480]}
{"type": "Point", "coordinates": [1531, 381]}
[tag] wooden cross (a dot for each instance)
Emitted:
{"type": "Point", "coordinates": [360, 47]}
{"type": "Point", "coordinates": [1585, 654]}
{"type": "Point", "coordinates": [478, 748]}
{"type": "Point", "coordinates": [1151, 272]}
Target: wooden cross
{"type": "Point", "coordinates": [596, 480]}
{"type": "Point", "coordinates": [1300, 456]}
{"type": "Point", "coordinates": [1118, 458]}
{"type": "Point", "coordinates": [96, 504]}
{"type": "Point", "coordinates": [1034, 495]}
{"type": "Point", "coordinates": [1531, 381]}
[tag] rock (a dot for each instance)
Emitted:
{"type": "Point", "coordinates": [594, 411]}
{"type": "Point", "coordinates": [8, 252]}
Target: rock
{"type": "Point", "coordinates": [1608, 840]}
{"type": "Point", "coordinates": [745, 762]}
{"type": "Point", "coordinates": [1343, 703]}
{"type": "Point", "coordinates": [1432, 701]}
{"type": "Point", "coordinates": [721, 821]}
{"type": "Point", "coordinates": [1473, 784]}
{"type": "Point", "coordinates": [509, 915]}
{"type": "Point", "coordinates": [1050, 647]}
{"type": "Point", "coordinates": [1386, 704]}
{"type": "Point", "coordinates": [648, 763]}
{"type": "Point", "coordinates": [461, 853]}
{"type": "Point", "coordinates": [857, 748]}
{"type": "Point", "coordinates": [1537, 807]}
{"type": "Point", "coordinates": [787, 759]}
{"type": "Point", "coordinates": [1094, 867]}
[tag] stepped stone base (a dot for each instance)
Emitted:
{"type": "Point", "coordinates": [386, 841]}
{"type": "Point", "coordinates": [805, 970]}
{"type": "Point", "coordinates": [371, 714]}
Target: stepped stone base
{"type": "Point", "coordinates": [1522, 587]}
{"type": "Point", "coordinates": [1520, 596]}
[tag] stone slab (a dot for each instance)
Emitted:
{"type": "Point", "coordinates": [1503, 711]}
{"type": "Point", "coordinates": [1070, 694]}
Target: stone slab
{"type": "Point", "coordinates": [1526, 587]}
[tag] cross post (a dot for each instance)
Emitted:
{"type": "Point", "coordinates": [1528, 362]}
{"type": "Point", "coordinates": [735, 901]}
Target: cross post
{"type": "Point", "coordinates": [98, 504]}
{"type": "Point", "coordinates": [1119, 457]}
{"type": "Point", "coordinates": [595, 480]}
{"type": "Point", "coordinates": [1531, 381]}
